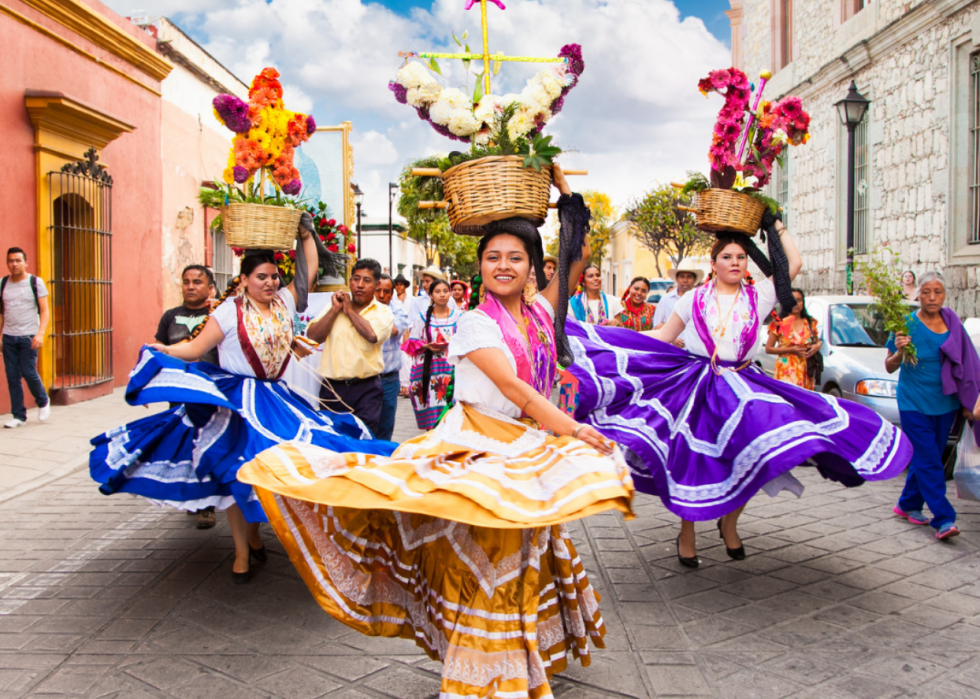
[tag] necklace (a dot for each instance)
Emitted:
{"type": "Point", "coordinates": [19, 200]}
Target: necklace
{"type": "Point", "coordinates": [723, 326]}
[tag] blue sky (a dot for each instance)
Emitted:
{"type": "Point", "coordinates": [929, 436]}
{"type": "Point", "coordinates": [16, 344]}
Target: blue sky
{"type": "Point", "coordinates": [711, 12]}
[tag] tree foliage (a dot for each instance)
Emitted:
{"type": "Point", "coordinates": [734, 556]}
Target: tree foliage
{"type": "Point", "coordinates": [662, 228]}
{"type": "Point", "coordinates": [430, 227]}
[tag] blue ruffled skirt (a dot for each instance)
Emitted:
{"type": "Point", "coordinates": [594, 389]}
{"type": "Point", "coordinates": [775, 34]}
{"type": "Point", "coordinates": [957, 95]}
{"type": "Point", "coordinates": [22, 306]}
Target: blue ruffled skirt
{"type": "Point", "coordinates": [704, 442]}
{"type": "Point", "coordinates": [189, 456]}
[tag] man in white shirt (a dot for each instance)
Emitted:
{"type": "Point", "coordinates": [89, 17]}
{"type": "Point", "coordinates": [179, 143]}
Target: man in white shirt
{"type": "Point", "coordinates": [23, 320]}
{"type": "Point", "coordinates": [685, 279]}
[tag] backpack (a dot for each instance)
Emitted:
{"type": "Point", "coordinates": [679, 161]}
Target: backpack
{"type": "Point", "coordinates": [3, 285]}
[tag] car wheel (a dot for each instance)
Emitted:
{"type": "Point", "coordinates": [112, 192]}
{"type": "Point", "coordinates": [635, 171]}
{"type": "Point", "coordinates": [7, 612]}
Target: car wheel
{"type": "Point", "coordinates": [833, 391]}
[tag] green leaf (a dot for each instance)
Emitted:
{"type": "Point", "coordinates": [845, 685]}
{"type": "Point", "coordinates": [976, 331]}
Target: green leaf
{"type": "Point", "coordinates": [455, 39]}
{"type": "Point", "coordinates": [466, 34]}
{"type": "Point", "coordinates": [467, 49]}
{"type": "Point", "coordinates": [434, 66]}
{"type": "Point", "coordinates": [478, 91]}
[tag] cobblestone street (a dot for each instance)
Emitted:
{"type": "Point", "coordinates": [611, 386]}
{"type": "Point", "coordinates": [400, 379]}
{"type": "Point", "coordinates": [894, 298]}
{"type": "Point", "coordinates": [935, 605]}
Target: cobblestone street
{"type": "Point", "coordinates": [114, 597]}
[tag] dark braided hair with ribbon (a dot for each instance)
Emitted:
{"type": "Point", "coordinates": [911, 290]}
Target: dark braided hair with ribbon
{"type": "Point", "coordinates": [427, 335]}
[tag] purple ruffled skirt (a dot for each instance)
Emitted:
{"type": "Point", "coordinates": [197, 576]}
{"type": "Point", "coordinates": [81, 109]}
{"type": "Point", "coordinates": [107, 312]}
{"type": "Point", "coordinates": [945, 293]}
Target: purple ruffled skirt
{"type": "Point", "coordinates": [704, 442]}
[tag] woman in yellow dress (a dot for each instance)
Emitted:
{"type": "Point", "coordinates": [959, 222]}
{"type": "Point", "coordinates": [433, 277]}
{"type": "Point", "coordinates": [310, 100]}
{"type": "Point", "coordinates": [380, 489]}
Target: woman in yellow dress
{"type": "Point", "coordinates": [793, 340]}
{"type": "Point", "coordinates": [458, 540]}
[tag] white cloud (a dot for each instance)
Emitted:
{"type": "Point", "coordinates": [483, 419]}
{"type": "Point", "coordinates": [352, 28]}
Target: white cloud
{"type": "Point", "coordinates": [635, 118]}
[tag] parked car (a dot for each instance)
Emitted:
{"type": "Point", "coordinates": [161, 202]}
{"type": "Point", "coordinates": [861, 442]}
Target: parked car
{"type": "Point", "coordinates": [658, 289]}
{"type": "Point", "coordinates": [854, 337]}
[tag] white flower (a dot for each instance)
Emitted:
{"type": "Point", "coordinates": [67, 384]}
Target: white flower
{"type": "Point", "coordinates": [534, 98]}
{"type": "Point", "coordinates": [440, 112]}
{"type": "Point", "coordinates": [424, 94]}
{"type": "Point", "coordinates": [552, 85]}
{"type": "Point", "coordinates": [520, 124]}
{"type": "Point", "coordinates": [414, 74]}
{"type": "Point", "coordinates": [482, 138]}
{"type": "Point", "coordinates": [463, 123]}
{"type": "Point", "coordinates": [456, 98]}
{"type": "Point", "coordinates": [487, 109]}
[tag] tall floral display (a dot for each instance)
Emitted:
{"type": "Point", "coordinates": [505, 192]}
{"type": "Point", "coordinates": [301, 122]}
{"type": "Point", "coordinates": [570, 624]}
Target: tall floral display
{"type": "Point", "coordinates": [266, 134]}
{"type": "Point", "coordinates": [746, 144]}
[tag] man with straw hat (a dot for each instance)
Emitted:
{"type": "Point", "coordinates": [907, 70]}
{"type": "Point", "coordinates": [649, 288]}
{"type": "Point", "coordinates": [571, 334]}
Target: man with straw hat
{"type": "Point", "coordinates": [685, 279]}
{"type": "Point", "coordinates": [550, 266]}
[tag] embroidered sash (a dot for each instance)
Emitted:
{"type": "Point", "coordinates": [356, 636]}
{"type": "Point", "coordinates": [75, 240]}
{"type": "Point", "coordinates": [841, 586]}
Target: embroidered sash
{"type": "Point", "coordinates": [743, 321]}
{"type": "Point", "coordinates": [536, 357]}
{"type": "Point", "coordinates": [265, 341]}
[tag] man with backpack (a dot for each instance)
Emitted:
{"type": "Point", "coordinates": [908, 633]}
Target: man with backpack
{"type": "Point", "coordinates": [23, 319]}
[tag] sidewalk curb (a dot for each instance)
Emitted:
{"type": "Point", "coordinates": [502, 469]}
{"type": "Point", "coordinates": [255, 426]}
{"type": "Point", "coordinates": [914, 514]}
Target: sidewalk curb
{"type": "Point", "coordinates": [76, 464]}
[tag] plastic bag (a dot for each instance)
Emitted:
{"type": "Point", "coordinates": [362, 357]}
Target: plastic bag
{"type": "Point", "coordinates": [966, 475]}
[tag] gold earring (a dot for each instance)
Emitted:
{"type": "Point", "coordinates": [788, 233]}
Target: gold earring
{"type": "Point", "coordinates": [530, 292]}
{"type": "Point", "coordinates": [483, 293]}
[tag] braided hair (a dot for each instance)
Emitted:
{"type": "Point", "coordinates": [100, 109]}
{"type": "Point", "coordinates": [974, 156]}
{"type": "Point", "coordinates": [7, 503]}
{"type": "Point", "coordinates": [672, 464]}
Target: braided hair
{"type": "Point", "coordinates": [231, 290]}
{"type": "Point", "coordinates": [427, 336]}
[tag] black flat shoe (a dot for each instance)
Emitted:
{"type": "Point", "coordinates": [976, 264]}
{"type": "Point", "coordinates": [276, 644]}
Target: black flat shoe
{"type": "Point", "coordinates": [258, 554]}
{"type": "Point", "coordinates": [241, 578]}
{"type": "Point", "coordinates": [692, 562]}
{"type": "Point", "coordinates": [735, 554]}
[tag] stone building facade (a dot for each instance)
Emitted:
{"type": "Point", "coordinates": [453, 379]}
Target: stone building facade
{"type": "Point", "coordinates": [916, 175]}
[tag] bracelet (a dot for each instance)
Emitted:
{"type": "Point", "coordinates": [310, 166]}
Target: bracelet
{"type": "Point", "coordinates": [577, 430]}
{"type": "Point", "coordinates": [528, 401]}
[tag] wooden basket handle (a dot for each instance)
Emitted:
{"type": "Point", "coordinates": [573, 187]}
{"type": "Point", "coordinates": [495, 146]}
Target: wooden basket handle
{"type": "Point", "coordinates": [433, 204]}
{"type": "Point", "coordinates": [688, 209]}
{"type": "Point", "coordinates": [426, 172]}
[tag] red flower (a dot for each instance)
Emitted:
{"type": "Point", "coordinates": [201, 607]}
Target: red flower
{"type": "Point", "coordinates": [342, 228]}
{"type": "Point", "coordinates": [238, 251]}
{"type": "Point", "coordinates": [292, 254]}
{"type": "Point", "coordinates": [331, 235]}
{"type": "Point", "coordinates": [332, 248]}
{"type": "Point", "coordinates": [351, 248]}
{"type": "Point", "coordinates": [278, 257]}
{"type": "Point", "coordinates": [323, 222]}
{"type": "Point", "coordinates": [332, 222]}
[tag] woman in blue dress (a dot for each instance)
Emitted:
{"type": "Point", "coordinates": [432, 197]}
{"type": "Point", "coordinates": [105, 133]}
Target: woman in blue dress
{"type": "Point", "coordinates": [188, 457]}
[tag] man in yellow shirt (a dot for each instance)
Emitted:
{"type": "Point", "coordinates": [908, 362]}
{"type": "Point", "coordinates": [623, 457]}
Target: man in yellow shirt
{"type": "Point", "coordinates": [353, 331]}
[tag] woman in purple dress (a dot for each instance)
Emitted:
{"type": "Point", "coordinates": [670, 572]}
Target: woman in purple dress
{"type": "Point", "coordinates": [705, 429]}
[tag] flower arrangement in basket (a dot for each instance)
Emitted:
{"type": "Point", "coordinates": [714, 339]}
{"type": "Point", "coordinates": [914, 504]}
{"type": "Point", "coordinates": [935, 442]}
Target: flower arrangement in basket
{"type": "Point", "coordinates": [265, 135]}
{"type": "Point", "coordinates": [746, 143]}
{"type": "Point", "coordinates": [336, 238]}
{"type": "Point", "coordinates": [507, 169]}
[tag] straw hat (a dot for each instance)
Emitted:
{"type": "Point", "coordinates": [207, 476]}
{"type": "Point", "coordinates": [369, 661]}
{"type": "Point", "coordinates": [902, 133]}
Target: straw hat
{"type": "Point", "coordinates": [698, 273]}
{"type": "Point", "coordinates": [551, 258]}
{"type": "Point", "coordinates": [434, 272]}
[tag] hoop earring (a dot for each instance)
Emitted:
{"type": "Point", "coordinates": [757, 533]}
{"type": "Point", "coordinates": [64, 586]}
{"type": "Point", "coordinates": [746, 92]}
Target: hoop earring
{"type": "Point", "coordinates": [483, 293]}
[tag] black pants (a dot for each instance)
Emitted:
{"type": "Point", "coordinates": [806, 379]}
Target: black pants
{"type": "Point", "coordinates": [362, 397]}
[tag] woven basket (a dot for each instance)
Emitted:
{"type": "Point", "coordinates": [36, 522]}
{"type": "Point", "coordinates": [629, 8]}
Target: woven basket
{"type": "Point", "coordinates": [256, 226]}
{"type": "Point", "coordinates": [722, 210]}
{"type": "Point", "coordinates": [494, 188]}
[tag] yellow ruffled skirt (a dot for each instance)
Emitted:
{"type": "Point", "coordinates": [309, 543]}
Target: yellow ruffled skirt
{"type": "Point", "coordinates": [456, 541]}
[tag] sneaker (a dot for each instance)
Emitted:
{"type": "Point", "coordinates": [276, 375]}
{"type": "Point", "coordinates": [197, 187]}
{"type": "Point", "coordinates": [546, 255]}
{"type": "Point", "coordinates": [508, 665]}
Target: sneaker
{"type": "Point", "coordinates": [914, 517]}
{"type": "Point", "coordinates": [14, 423]}
{"type": "Point", "coordinates": [44, 413]}
{"type": "Point", "coordinates": [947, 531]}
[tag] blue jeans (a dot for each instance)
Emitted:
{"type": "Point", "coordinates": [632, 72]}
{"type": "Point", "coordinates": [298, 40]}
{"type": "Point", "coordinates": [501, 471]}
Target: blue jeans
{"type": "Point", "coordinates": [20, 362]}
{"type": "Point", "coordinates": [926, 481]}
{"type": "Point", "coordinates": [389, 385]}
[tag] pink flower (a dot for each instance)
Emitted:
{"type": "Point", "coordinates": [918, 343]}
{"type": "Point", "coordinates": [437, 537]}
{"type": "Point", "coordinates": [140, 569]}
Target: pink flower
{"type": "Point", "coordinates": [720, 79]}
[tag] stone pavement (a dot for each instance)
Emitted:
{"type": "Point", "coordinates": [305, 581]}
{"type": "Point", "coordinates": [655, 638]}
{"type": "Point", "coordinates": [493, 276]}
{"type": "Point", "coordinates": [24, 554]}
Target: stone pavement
{"type": "Point", "coordinates": [112, 597]}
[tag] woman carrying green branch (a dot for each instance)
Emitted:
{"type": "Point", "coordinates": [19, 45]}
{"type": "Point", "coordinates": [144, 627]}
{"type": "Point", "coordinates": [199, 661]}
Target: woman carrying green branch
{"type": "Point", "coordinates": [941, 382]}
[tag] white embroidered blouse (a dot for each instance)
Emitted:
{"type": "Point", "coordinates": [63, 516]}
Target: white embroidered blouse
{"type": "Point", "coordinates": [230, 354]}
{"type": "Point", "coordinates": [474, 331]}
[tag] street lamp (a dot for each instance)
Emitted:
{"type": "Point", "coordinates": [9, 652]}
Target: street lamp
{"type": "Point", "coordinates": [392, 193]}
{"type": "Point", "coordinates": [358, 198]}
{"type": "Point", "coordinates": [851, 111]}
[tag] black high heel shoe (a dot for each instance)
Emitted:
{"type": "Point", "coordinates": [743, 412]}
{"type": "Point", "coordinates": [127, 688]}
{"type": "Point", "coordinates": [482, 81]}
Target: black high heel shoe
{"type": "Point", "coordinates": [735, 554]}
{"type": "Point", "coordinates": [692, 562]}
{"type": "Point", "coordinates": [241, 578]}
{"type": "Point", "coordinates": [259, 554]}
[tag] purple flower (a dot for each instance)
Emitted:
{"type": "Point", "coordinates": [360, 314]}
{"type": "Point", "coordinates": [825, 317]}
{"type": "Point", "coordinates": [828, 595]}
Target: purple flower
{"type": "Point", "coordinates": [241, 174]}
{"type": "Point", "coordinates": [233, 112]}
{"type": "Point", "coordinates": [293, 188]}
{"type": "Point", "coordinates": [401, 94]}
{"type": "Point", "coordinates": [310, 125]}
{"type": "Point", "coordinates": [573, 52]}
{"type": "Point", "coordinates": [558, 104]}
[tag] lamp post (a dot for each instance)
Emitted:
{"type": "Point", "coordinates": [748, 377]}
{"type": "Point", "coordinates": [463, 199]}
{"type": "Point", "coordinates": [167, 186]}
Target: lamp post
{"type": "Point", "coordinates": [851, 111]}
{"type": "Point", "coordinates": [358, 198]}
{"type": "Point", "coordinates": [392, 193]}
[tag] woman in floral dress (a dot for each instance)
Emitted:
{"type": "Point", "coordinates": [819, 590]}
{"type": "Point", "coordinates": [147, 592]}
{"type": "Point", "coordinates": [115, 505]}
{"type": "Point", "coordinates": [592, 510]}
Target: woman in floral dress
{"type": "Point", "coordinates": [637, 314]}
{"type": "Point", "coordinates": [793, 340]}
{"type": "Point", "coordinates": [432, 374]}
